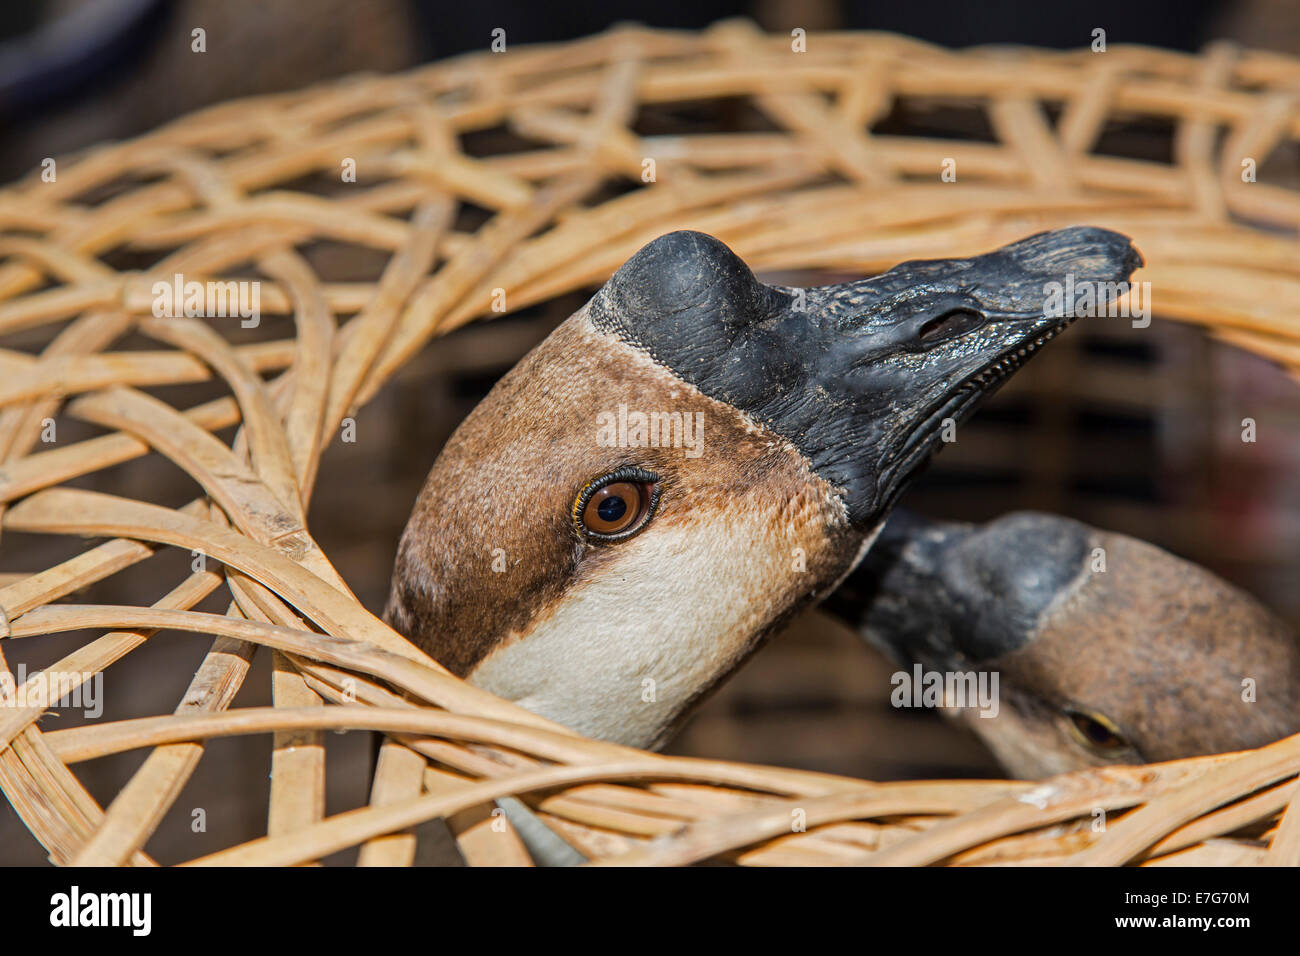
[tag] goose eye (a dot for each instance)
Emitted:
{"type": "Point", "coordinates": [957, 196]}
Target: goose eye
{"type": "Point", "coordinates": [617, 505]}
{"type": "Point", "coordinates": [1096, 732]}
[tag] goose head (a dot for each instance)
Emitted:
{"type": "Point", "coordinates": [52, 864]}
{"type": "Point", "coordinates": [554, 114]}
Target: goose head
{"type": "Point", "coordinates": [695, 455]}
{"type": "Point", "coordinates": [1107, 649]}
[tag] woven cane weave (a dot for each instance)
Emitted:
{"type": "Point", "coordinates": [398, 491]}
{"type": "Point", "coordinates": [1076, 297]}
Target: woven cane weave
{"type": "Point", "coordinates": [799, 170]}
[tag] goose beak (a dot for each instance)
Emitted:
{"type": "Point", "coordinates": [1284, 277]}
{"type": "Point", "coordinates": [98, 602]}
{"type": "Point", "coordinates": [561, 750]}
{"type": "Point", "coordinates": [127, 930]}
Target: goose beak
{"type": "Point", "coordinates": [951, 595]}
{"type": "Point", "coordinates": [919, 347]}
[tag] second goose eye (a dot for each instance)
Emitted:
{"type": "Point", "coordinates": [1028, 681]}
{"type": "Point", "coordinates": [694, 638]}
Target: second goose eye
{"type": "Point", "coordinates": [616, 506]}
{"type": "Point", "coordinates": [1095, 731]}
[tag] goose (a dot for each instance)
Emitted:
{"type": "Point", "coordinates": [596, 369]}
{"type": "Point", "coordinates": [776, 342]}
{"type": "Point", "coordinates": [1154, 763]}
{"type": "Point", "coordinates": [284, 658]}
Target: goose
{"type": "Point", "coordinates": [1107, 648]}
{"type": "Point", "coordinates": [694, 456]}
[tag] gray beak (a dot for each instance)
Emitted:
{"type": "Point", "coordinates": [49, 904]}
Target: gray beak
{"type": "Point", "coordinates": [950, 595]}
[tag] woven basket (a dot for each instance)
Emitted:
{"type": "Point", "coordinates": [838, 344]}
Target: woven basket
{"type": "Point", "coordinates": [788, 162]}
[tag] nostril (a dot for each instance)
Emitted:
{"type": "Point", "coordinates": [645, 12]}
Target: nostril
{"type": "Point", "coordinates": [945, 326]}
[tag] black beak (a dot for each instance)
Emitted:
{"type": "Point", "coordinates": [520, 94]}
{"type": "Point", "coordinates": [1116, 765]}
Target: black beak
{"type": "Point", "coordinates": [861, 376]}
{"type": "Point", "coordinates": [928, 341]}
{"type": "Point", "coordinates": [950, 595]}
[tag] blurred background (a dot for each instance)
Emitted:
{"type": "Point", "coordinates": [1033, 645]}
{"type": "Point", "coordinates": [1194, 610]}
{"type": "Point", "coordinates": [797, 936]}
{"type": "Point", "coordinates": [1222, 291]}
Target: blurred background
{"type": "Point", "coordinates": [1133, 431]}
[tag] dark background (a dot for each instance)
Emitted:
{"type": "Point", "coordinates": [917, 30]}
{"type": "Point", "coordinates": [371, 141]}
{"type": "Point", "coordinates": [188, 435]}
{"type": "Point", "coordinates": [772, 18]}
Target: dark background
{"type": "Point", "coordinates": [1134, 432]}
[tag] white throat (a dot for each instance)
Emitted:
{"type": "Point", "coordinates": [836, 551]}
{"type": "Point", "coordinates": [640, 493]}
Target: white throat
{"type": "Point", "coordinates": [626, 651]}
